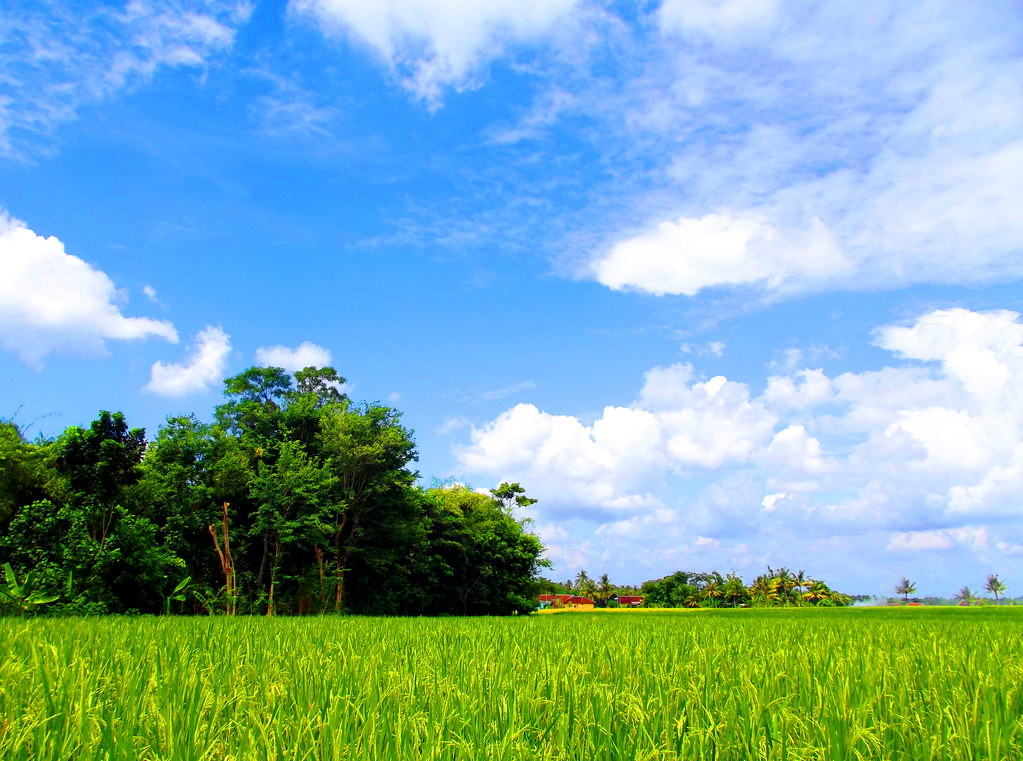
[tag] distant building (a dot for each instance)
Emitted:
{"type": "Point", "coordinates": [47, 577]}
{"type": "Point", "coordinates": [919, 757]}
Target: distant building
{"type": "Point", "coordinates": [566, 602]}
{"type": "Point", "coordinates": [630, 601]}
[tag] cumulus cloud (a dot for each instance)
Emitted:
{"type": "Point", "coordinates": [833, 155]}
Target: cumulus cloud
{"type": "Point", "coordinates": [57, 58]}
{"type": "Point", "coordinates": [922, 455]}
{"type": "Point", "coordinates": [52, 301]}
{"type": "Point", "coordinates": [203, 367]}
{"type": "Point", "coordinates": [306, 354]}
{"type": "Point", "coordinates": [437, 43]}
{"type": "Point", "coordinates": [689, 255]}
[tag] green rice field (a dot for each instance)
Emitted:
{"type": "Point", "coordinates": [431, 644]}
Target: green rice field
{"type": "Point", "coordinates": [742, 684]}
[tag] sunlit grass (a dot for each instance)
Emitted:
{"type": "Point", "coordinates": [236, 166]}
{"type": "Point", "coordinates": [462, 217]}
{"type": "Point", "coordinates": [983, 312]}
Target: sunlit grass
{"type": "Point", "coordinates": [750, 684]}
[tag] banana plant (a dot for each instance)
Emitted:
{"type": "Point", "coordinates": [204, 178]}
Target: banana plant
{"type": "Point", "coordinates": [179, 594]}
{"type": "Point", "coordinates": [23, 598]}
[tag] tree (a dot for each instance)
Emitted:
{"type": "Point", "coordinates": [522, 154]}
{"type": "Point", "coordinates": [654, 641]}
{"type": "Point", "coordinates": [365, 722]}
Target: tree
{"type": "Point", "coordinates": [22, 479]}
{"type": "Point", "coordinates": [672, 591]}
{"type": "Point", "coordinates": [255, 398]}
{"type": "Point", "coordinates": [734, 592]}
{"type": "Point", "coordinates": [511, 496]}
{"type": "Point", "coordinates": [487, 558]}
{"type": "Point", "coordinates": [110, 546]}
{"type": "Point", "coordinates": [905, 587]}
{"type": "Point", "coordinates": [581, 579]}
{"type": "Point", "coordinates": [605, 588]}
{"type": "Point", "coordinates": [367, 452]}
{"type": "Point", "coordinates": [995, 586]}
{"type": "Point", "coordinates": [287, 494]}
{"type": "Point", "coordinates": [966, 596]}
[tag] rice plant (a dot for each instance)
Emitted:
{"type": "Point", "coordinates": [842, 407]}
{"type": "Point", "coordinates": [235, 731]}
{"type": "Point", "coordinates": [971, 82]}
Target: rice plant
{"type": "Point", "coordinates": [743, 684]}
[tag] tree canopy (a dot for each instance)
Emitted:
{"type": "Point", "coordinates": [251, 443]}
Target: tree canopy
{"type": "Point", "coordinates": [294, 500]}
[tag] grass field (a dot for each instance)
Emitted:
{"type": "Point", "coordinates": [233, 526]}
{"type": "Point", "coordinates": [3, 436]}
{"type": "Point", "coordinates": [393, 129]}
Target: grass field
{"type": "Point", "coordinates": [743, 684]}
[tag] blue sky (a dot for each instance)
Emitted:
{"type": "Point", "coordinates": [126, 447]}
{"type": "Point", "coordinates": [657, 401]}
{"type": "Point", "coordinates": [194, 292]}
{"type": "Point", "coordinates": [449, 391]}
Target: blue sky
{"type": "Point", "coordinates": [723, 283]}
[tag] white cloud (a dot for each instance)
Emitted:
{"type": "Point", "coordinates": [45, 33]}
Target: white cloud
{"type": "Point", "coordinates": [204, 366]}
{"type": "Point", "coordinates": [806, 388]}
{"type": "Point", "coordinates": [437, 43]}
{"type": "Point", "coordinates": [922, 455]}
{"type": "Point", "coordinates": [770, 501]}
{"type": "Point", "coordinates": [52, 301]}
{"type": "Point", "coordinates": [814, 147]}
{"type": "Point", "coordinates": [592, 465]}
{"type": "Point", "coordinates": [690, 255]}
{"type": "Point", "coordinates": [57, 57]}
{"type": "Point", "coordinates": [150, 292]}
{"type": "Point", "coordinates": [916, 541]}
{"type": "Point", "coordinates": [717, 18]}
{"type": "Point", "coordinates": [306, 354]}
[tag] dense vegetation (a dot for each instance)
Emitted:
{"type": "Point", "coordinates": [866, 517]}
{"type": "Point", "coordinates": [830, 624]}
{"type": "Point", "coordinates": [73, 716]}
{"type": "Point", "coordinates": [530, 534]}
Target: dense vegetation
{"type": "Point", "coordinates": [777, 587]}
{"type": "Point", "coordinates": [732, 684]}
{"type": "Point", "coordinates": [294, 500]}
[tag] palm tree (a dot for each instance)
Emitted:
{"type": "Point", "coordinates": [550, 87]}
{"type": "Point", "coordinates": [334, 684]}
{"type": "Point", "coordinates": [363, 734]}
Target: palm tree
{"type": "Point", "coordinates": [589, 589]}
{"type": "Point", "coordinates": [995, 586]}
{"type": "Point", "coordinates": [905, 587]}
{"type": "Point", "coordinates": [800, 581]}
{"type": "Point", "coordinates": [762, 590]}
{"type": "Point", "coordinates": [734, 590]}
{"type": "Point", "coordinates": [606, 588]}
{"type": "Point", "coordinates": [965, 595]}
{"type": "Point", "coordinates": [581, 578]}
{"type": "Point", "coordinates": [816, 592]}
{"type": "Point", "coordinates": [713, 591]}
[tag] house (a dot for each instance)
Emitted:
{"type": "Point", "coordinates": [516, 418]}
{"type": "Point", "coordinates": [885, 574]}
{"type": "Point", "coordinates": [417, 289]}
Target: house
{"type": "Point", "coordinates": [630, 601]}
{"type": "Point", "coordinates": [566, 602]}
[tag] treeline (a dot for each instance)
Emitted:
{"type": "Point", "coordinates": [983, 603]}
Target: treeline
{"type": "Point", "coordinates": [685, 589]}
{"type": "Point", "coordinates": [295, 500]}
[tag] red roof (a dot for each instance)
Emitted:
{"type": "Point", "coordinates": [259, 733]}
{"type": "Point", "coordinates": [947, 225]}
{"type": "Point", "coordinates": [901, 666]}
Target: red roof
{"type": "Point", "coordinates": [630, 600]}
{"type": "Point", "coordinates": [577, 600]}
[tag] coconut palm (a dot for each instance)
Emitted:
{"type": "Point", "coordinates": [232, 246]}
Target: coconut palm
{"type": "Point", "coordinates": [763, 590]}
{"type": "Point", "coordinates": [734, 591]}
{"type": "Point", "coordinates": [606, 587]}
{"type": "Point", "coordinates": [581, 579]}
{"type": "Point", "coordinates": [905, 587]}
{"type": "Point", "coordinates": [712, 591]}
{"type": "Point", "coordinates": [966, 596]}
{"type": "Point", "coordinates": [816, 592]}
{"type": "Point", "coordinates": [800, 581]}
{"type": "Point", "coordinates": [995, 586]}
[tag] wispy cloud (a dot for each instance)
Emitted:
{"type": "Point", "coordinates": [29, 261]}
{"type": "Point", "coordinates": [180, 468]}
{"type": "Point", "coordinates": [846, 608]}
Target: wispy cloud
{"type": "Point", "coordinates": [492, 395]}
{"type": "Point", "coordinates": [792, 162]}
{"type": "Point", "coordinates": [56, 58]}
{"type": "Point", "coordinates": [436, 44]}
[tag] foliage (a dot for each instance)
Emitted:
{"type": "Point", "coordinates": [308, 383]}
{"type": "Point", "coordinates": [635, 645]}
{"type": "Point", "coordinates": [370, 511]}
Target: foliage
{"type": "Point", "coordinates": [24, 597]}
{"type": "Point", "coordinates": [995, 586]}
{"type": "Point", "coordinates": [905, 587]}
{"type": "Point", "coordinates": [294, 500]}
